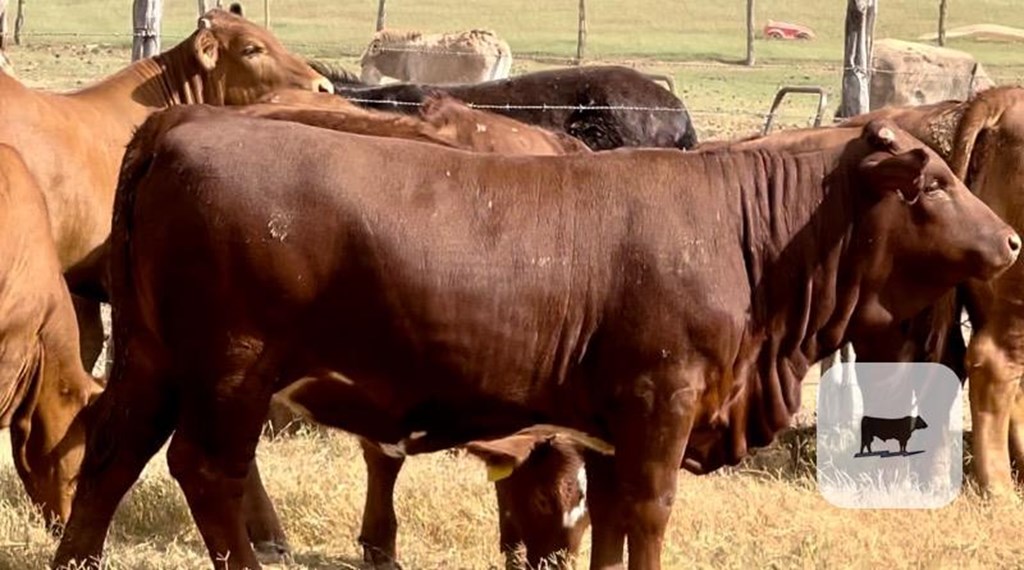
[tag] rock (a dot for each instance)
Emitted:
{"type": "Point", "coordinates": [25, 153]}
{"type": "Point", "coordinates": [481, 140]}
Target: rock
{"type": "Point", "coordinates": [908, 73]}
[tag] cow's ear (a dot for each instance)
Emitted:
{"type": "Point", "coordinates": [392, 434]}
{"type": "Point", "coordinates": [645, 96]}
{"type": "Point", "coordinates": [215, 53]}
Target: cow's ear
{"type": "Point", "coordinates": [206, 47]}
{"type": "Point", "coordinates": [502, 456]}
{"type": "Point", "coordinates": [901, 173]}
{"type": "Point", "coordinates": [881, 134]}
{"type": "Point", "coordinates": [236, 9]}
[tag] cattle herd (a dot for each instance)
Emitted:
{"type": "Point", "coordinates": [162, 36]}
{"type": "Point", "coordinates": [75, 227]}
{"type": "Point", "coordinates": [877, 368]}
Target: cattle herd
{"type": "Point", "coordinates": [585, 318]}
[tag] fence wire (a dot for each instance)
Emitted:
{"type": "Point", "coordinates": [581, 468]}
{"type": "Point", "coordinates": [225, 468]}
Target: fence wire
{"type": "Point", "coordinates": [340, 51]}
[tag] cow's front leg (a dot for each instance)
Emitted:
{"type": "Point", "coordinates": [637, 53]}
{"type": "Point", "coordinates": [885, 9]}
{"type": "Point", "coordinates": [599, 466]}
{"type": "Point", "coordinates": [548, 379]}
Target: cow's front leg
{"type": "Point", "coordinates": [650, 435]}
{"type": "Point", "coordinates": [994, 373]}
{"type": "Point", "coordinates": [380, 524]}
{"type": "Point", "coordinates": [1017, 434]}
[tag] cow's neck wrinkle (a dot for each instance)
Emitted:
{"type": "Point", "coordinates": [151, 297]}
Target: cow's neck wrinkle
{"type": "Point", "coordinates": [798, 214]}
{"type": "Point", "coordinates": [171, 78]}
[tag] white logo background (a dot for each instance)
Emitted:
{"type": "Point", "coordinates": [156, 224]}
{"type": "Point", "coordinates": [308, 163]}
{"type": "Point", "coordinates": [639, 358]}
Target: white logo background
{"type": "Point", "coordinates": [929, 475]}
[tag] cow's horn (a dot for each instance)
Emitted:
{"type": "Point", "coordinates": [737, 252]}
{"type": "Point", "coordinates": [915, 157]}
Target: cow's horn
{"type": "Point", "coordinates": [886, 135]}
{"type": "Point", "coordinates": [205, 24]}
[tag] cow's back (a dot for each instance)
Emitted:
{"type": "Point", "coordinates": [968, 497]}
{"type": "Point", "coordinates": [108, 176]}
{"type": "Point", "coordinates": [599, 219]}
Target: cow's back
{"type": "Point", "coordinates": [72, 149]}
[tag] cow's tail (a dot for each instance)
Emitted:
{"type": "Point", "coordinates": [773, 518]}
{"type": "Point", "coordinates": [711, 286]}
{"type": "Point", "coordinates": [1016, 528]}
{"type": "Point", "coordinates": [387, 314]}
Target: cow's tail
{"type": "Point", "coordinates": [108, 409]}
{"type": "Point", "coordinates": [687, 139]}
{"type": "Point", "coordinates": [137, 161]}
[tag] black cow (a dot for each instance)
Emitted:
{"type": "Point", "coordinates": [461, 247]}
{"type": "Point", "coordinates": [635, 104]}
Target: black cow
{"type": "Point", "coordinates": [886, 429]}
{"type": "Point", "coordinates": [605, 106]}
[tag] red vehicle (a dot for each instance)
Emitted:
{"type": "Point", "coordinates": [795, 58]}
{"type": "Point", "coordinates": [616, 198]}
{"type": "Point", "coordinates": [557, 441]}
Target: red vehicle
{"type": "Point", "coordinates": [786, 31]}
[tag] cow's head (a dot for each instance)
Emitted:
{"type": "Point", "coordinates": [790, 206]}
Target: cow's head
{"type": "Point", "coordinates": [242, 61]}
{"type": "Point", "coordinates": [919, 423]}
{"type": "Point", "coordinates": [921, 231]}
{"type": "Point", "coordinates": [542, 488]}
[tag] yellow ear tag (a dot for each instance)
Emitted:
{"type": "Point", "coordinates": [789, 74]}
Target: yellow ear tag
{"type": "Point", "coordinates": [499, 472]}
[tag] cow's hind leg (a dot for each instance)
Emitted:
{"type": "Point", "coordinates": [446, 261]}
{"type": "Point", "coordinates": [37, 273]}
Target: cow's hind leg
{"type": "Point", "coordinates": [129, 422]}
{"type": "Point", "coordinates": [380, 525]}
{"type": "Point", "coordinates": [261, 521]}
{"type": "Point", "coordinates": [213, 450]}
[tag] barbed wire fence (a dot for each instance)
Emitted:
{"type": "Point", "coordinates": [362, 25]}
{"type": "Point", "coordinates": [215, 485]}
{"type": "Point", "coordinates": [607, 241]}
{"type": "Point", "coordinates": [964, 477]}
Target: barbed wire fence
{"type": "Point", "coordinates": [736, 120]}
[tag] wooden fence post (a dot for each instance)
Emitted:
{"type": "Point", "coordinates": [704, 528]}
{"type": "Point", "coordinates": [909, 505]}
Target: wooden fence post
{"type": "Point", "coordinates": [206, 5]}
{"type": "Point", "coordinates": [266, 14]}
{"type": "Point", "coordinates": [943, 8]}
{"type": "Point", "coordinates": [581, 33]}
{"type": "Point", "coordinates": [146, 16]}
{"type": "Point", "coordinates": [381, 14]}
{"type": "Point", "coordinates": [19, 22]}
{"type": "Point", "coordinates": [3, 25]}
{"type": "Point", "coordinates": [860, 26]}
{"type": "Point", "coordinates": [750, 32]}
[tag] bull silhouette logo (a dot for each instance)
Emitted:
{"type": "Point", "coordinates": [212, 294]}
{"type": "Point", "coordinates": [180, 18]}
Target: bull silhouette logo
{"type": "Point", "coordinates": [885, 429]}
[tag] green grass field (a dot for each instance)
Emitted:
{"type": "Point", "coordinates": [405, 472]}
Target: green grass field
{"type": "Point", "coordinates": [756, 517]}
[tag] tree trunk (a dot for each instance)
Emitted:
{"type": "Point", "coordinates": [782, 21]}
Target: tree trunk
{"type": "Point", "coordinates": [860, 26]}
{"type": "Point", "coordinates": [581, 33]}
{"type": "Point", "coordinates": [750, 32]}
{"type": "Point", "coordinates": [942, 22]}
{"type": "Point", "coordinates": [381, 14]}
{"type": "Point", "coordinates": [146, 16]}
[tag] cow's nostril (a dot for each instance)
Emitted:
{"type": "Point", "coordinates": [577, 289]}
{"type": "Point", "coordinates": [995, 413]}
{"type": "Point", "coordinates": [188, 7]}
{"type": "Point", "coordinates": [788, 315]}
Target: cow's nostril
{"type": "Point", "coordinates": [1014, 241]}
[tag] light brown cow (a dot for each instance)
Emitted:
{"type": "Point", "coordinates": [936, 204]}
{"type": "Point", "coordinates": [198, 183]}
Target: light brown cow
{"type": "Point", "coordinates": [414, 57]}
{"type": "Point", "coordinates": [988, 154]}
{"type": "Point", "coordinates": [42, 383]}
{"type": "Point", "coordinates": [984, 142]}
{"type": "Point", "coordinates": [73, 143]}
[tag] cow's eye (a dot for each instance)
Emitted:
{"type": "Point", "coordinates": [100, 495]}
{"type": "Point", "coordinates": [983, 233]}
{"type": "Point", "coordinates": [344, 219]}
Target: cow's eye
{"type": "Point", "coordinates": [251, 50]}
{"type": "Point", "coordinates": [935, 186]}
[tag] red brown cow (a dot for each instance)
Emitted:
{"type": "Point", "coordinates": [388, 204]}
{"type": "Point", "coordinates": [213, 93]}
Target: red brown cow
{"type": "Point", "coordinates": [43, 386]}
{"type": "Point", "coordinates": [984, 141]}
{"type": "Point", "coordinates": [73, 143]}
{"type": "Point", "coordinates": [668, 303]}
{"type": "Point", "coordinates": [541, 503]}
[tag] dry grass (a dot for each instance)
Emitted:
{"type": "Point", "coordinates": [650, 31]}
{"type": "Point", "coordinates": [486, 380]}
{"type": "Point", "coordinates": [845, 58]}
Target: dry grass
{"type": "Point", "coordinates": [746, 518]}
{"type": "Point", "coordinates": [767, 515]}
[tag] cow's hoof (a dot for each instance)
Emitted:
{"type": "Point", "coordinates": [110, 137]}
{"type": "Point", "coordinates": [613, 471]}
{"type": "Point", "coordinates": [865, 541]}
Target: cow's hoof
{"type": "Point", "coordinates": [376, 559]}
{"type": "Point", "coordinates": [270, 552]}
